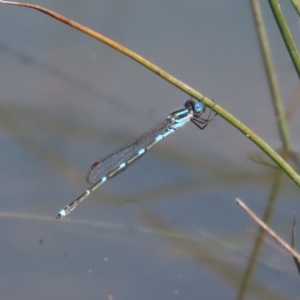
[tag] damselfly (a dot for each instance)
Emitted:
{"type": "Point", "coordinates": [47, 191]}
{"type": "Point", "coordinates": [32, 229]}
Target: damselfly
{"type": "Point", "coordinates": [118, 161]}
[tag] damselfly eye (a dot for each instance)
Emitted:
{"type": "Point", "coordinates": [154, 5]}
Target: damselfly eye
{"type": "Point", "coordinates": [198, 106]}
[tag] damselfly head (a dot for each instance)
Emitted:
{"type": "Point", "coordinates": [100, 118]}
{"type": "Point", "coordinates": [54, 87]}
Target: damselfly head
{"type": "Point", "coordinates": [194, 105]}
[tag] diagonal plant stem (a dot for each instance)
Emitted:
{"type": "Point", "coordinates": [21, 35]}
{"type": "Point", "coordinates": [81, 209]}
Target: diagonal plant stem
{"type": "Point", "coordinates": [271, 232]}
{"type": "Point", "coordinates": [286, 34]}
{"type": "Point", "coordinates": [296, 5]}
{"type": "Point", "coordinates": [168, 77]}
{"type": "Point", "coordinates": [271, 76]}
